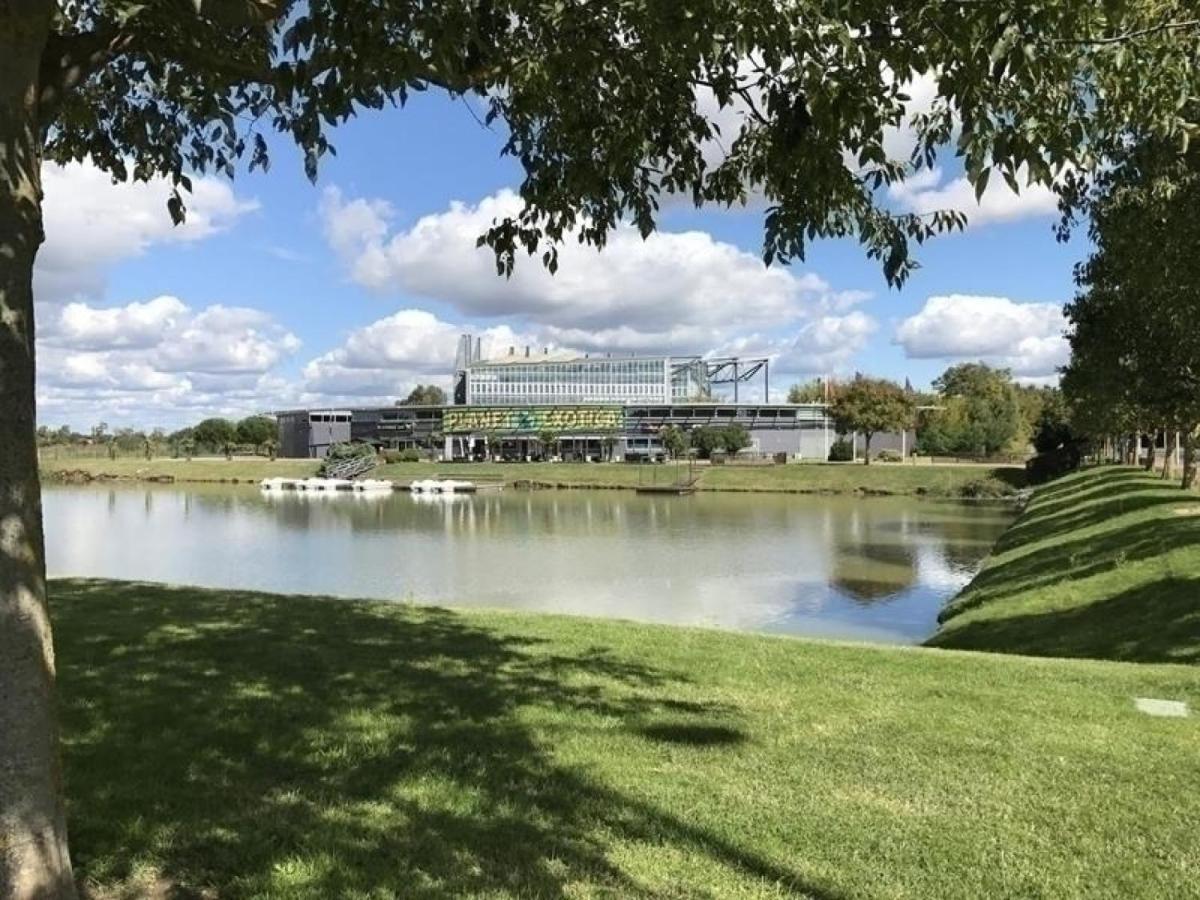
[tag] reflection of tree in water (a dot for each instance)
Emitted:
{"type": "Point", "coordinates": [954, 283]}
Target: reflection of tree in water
{"type": "Point", "coordinates": [375, 753]}
{"type": "Point", "coordinates": [871, 571]}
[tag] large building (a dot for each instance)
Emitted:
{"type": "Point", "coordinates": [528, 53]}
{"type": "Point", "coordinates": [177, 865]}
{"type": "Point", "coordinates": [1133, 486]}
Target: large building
{"type": "Point", "coordinates": [525, 377]}
{"type": "Point", "coordinates": [597, 406]}
{"type": "Point", "coordinates": [582, 430]}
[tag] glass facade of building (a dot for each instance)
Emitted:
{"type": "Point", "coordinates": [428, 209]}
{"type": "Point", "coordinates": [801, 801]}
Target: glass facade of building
{"type": "Point", "coordinates": [660, 379]}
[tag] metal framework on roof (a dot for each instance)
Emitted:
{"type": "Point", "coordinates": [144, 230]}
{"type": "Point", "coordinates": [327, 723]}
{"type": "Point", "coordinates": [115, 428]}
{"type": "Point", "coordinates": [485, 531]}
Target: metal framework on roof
{"type": "Point", "coordinates": [735, 370]}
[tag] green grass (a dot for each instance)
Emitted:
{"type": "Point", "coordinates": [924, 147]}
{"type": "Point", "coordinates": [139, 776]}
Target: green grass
{"type": "Point", "coordinates": [933, 480]}
{"type": "Point", "coordinates": [246, 745]}
{"type": "Point", "coordinates": [241, 468]}
{"type": "Point", "coordinates": [1103, 563]}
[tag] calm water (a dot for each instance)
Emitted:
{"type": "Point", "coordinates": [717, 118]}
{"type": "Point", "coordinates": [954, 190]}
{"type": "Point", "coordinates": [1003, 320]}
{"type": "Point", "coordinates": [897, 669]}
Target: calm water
{"type": "Point", "coordinates": [864, 568]}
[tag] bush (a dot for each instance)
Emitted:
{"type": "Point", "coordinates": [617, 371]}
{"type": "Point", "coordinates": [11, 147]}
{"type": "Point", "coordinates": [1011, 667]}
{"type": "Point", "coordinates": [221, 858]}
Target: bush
{"type": "Point", "coordinates": [841, 450]}
{"type": "Point", "coordinates": [892, 456]}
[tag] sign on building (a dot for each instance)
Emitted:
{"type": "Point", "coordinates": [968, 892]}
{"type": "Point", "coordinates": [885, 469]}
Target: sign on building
{"type": "Point", "coordinates": [532, 419]}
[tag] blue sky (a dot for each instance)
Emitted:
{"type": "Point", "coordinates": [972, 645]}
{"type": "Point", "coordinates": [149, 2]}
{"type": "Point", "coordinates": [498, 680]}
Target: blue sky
{"type": "Point", "coordinates": [278, 293]}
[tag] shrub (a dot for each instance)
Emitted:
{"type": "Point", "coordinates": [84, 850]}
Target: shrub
{"type": "Point", "coordinates": [889, 456]}
{"type": "Point", "coordinates": [841, 450]}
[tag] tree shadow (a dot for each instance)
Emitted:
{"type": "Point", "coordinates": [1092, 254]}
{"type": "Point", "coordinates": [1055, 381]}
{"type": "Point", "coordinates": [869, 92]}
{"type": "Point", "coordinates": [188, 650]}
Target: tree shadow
{"type": "Point", "coordinates": [250, 744]}
{"type": "Point", "coordinates": [1157, 622]}
{"type": "Point", "coordinates": [1078, 559]}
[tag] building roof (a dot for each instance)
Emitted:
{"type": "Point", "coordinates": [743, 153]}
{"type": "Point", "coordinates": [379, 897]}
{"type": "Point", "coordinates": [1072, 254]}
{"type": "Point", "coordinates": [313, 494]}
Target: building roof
{"type": "Point", "coordinates": [569, 356]}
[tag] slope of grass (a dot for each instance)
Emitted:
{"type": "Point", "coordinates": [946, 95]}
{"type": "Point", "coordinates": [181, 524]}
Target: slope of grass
{"type": "Point", "coordinates": [247, 745]}
{"type": "Point", "coordinates": [933, 480]}
{"type": "Point", "coordinates": [1103, 563]}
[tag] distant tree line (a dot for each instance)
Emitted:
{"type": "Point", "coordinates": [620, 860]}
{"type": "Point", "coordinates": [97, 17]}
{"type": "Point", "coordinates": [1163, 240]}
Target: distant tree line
{"type": "Point", "coordinates": [252, 435]}
{"type": "Point", "coordinates": [1135, 345]}
{"type": "Point", "coordinates": [974, 410]}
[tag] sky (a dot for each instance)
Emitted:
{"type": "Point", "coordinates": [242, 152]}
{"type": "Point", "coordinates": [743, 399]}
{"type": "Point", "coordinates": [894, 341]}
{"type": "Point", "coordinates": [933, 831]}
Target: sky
{"type": "Point", "coordinates": [277, 293]}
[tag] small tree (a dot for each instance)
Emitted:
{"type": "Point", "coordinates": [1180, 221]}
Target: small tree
{"type": "Point", "coordinates": [549, 441]}
{"type": "Point", "coordinates": [871, 405]}
{"type": "Point", "coordinates": [256, 430]}
{"type": "Point", "coordinates": [424, 395]}
{"type": "Point", "coordinates": [215, 433]}
{"type": "Point", "coordinates": [734, 438]}
{"type": "Point", "coordinates": [674, 440]}
{"type": "Point", "coordinates": [813, 391]}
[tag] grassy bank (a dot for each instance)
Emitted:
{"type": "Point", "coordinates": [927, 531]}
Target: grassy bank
{"type": "Point", "coordinates": [269, 746]}
{"type": "Point", "coordinates": [1103, 563]}
{"type": "Point", "coordinates": [933, 480]}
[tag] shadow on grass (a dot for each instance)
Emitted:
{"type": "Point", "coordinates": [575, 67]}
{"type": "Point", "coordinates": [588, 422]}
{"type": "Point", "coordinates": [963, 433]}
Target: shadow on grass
{"type": "Point", "coordinates": [254, 745]}
{"type": "Point", "coordinates": [1078, 559]}
{"type": "Point", "coordinates": [1153, 616]}
{"type": "Point", "coordinates": [1158, 622]}
{"type": "Point", "coordinates": [692, 734]}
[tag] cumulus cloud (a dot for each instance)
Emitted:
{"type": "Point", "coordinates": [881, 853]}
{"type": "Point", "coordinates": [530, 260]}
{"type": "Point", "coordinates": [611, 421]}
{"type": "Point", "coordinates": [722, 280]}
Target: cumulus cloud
{"type": "Point", "coordinates": [647, 285]}
{"type": "Point", "coordinates": [92, 223]}
{"type": "Point", "coordinates": [386, 359]}
{"type": "Point", "coordinates": [1025, 337]}
{"type": "Point", "coordinates": [156, 360]}
{"type": "Point", "coordinates": [929, 190]}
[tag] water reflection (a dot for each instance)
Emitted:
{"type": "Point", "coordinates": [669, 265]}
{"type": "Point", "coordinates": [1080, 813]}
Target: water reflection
{"type": "Point", "coordinates": [874, 568]}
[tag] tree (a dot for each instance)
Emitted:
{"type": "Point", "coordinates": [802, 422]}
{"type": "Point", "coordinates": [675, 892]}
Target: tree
{"type": "Point", "coordinates": [705, 440]}
{"type": "Point", "coordinates": [256, 430]}
{"type": "Point", "coordinates": [597, 101]}
{"type": "Point", "coordinates": [734, 438]}
{"type": "Point", "coordinates": [215, 433]}
{"type": "Point", "coordinates": [1135, 353]}
{"type": "Point", "coordinates": [809, 392]}
{"type": "Point", "coordinates": [674, 440]}
{"type": "Point", "coordinates": [868, 406]}
{"type": "Point", "coordinates": [424, 395]}
{"type": "Point", "coordinates": [548, 438]}
{"type": "Point", "coordinates": [980, 412]}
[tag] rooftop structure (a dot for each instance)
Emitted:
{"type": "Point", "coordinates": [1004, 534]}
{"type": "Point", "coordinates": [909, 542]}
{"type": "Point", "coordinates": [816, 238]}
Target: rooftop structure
{"type": "Point", "coordinates": [556, 377]}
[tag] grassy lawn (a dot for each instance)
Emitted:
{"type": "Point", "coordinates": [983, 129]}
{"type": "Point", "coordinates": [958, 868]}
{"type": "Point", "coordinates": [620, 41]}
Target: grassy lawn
{"type": "Point", "coordinates": [245, 745]}
{"type": "Point", "coordinates": [934, 480]}
{"type": "Point", "coordinates": [1103, 563]}
{"type": "Point", "coordinates": [251, 468]}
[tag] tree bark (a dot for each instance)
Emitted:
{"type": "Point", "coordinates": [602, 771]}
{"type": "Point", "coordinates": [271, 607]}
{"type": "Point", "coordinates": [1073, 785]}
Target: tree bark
{"type": "Point", "coordinates": [1170, 449]}
{"type": "Point", "coordinates": [1189, 458]}
{"type": "Point", "coordinates": [866, 448]}
{"type": "Point", "coordinates": [34, 862]}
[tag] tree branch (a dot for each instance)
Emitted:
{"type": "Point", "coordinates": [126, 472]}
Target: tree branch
{"type": "Point", "coordinates": [69, 59]}
{"type": "Point", "coordinates": [1129, 35]}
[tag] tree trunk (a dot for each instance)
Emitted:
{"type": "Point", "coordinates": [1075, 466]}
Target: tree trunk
{"type": "Point", "coordinates": [866, 448]}
{"type": "Point", "coordinates": [34, 862]}
{"type": "Point", "coordinates": [1189, 458]}
{"type": "Point", "coordinates": [1170, 449]}
{"type": "Point", "coordinates": [1151, 453]}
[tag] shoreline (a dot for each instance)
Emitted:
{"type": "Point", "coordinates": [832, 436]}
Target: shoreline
{"type": "Point", "coordinates": [957, 482]}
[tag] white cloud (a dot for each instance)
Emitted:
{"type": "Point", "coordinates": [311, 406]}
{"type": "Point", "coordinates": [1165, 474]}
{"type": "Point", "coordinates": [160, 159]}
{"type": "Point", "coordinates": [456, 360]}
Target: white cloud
{"type": "Point", "coordinates": [386, 359]}
{"type": "Point", "coordinates": [91, 223]}
{"type": "Point", "coordinates": [645, 285]}
{"type": "Point", "coordinates": [1025, 337]}
{"type": "Point", "coordinates": [928, 191]}
{"type": "Point", "coordinates": [158, 361]}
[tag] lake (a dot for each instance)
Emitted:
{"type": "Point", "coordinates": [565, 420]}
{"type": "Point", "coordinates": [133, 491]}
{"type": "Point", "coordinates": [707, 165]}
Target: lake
{"type": "Point", "coordinates": [861, 568]}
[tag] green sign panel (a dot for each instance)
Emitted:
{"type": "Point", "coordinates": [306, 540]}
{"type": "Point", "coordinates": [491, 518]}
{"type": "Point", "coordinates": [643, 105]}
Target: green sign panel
{"type": "Point", "coordinates": [531, 419]}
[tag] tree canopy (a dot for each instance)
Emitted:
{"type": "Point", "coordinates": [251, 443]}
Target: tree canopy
{"type": "Point", "coordinates": [256, 430]}
{"type": "Point", "coordinates": [1135, 347]}
{"type": "Point", "coordinates": [979, 412]}
{"type": "Point", "coordinates": [215, 433]}
{"type": "Point", "coordinates": [424, 395]}
{"type": "Point", "coordinates": [868, 406]}
{"type": "Point", "coordinates": [611, 106]}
